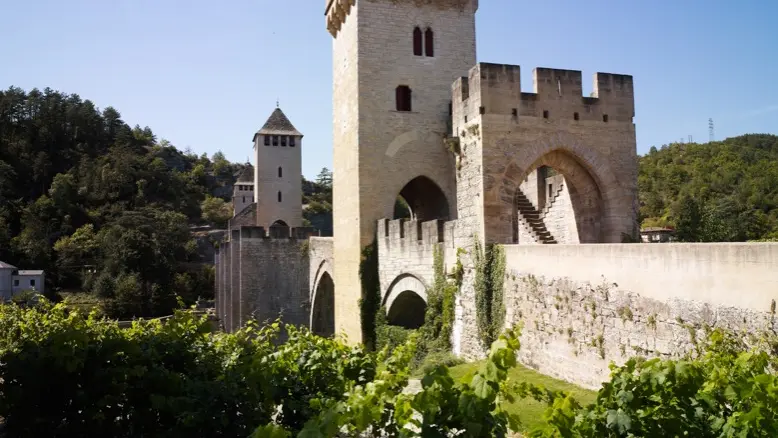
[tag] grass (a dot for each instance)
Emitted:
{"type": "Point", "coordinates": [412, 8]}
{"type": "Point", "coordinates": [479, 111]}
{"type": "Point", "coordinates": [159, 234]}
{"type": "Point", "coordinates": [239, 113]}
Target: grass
{"type": "Point", "coordinates": [529, 411]}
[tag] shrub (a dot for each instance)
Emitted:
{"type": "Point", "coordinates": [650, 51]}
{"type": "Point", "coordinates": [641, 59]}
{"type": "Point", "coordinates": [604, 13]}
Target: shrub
{"type": "Point", "coordinates": [64, 374]}
{"type": "Point", "coordinates": [439, 359]}
{"type": "Point", "coordinates": [440, 409]}
{"type": "Point", "coordinates": [728, 390]}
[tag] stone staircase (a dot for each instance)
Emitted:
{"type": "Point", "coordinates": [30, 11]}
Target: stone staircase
{"type": "Point", "coordinates": [529, 217]}
{"type": "Point", "coordinates": [550, 202]}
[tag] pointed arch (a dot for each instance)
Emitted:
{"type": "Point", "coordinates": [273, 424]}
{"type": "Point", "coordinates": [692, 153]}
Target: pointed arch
{"type": "Point", "coordinates": [425, 200]}
{"type": "Point", "coordinates": [429, 42]}
{"type": "Point", "coordinates": [417, 43]}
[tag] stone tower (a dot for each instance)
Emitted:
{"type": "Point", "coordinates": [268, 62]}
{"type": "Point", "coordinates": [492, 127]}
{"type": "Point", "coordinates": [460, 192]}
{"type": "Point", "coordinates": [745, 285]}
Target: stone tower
{"type": "Point", "coordinates": [243, 190]}
{"type": "Point", "coordinates": [393, 65]}
{"type": "Point", "coordinates": [277, 172]}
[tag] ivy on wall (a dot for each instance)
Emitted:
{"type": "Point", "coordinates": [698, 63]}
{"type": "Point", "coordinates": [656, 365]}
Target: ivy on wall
{"type": "Point", "coordinates": [439, 317]}
{"type": "Point", "coordinates": [370, 301]}
{"type": "Point", "coordinates": [433, 343]}
{"type": "Point", "coordinates": [489, 281]}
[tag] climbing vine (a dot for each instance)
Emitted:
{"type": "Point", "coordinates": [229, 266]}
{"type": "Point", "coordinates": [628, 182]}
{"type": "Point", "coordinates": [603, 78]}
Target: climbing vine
{"type": "Point", "coordinates": [439, 317]}
{"type": "Point", "coordinates": [370, 301]}
{"type": "Point", "coordinates": [489, 281]}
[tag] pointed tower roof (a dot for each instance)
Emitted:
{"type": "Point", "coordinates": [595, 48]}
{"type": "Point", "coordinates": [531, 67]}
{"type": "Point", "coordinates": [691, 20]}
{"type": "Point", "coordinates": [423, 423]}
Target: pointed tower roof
{"type": "Point", "coordinates": [247, 174]}
{"type": "Point", "coordinates": [278, 124]}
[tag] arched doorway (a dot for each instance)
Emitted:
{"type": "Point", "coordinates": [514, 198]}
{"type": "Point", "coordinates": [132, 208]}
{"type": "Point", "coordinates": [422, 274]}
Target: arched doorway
{"type": "Point", "coordinates": [405, 301]}
{"type": "Point", "coordinates": [557, 201]}
{"type": "Point", "coordinates": [279, 223]}
{"type": "Point", "coordinates": [407, 310]}
{"type": "Point", "coordinates": [422, 200]}
{"type": "Point", "coordinates": [323, 312]}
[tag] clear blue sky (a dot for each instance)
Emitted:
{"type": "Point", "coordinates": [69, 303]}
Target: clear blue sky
{"type": "Point", "coordinates": [206, 74]}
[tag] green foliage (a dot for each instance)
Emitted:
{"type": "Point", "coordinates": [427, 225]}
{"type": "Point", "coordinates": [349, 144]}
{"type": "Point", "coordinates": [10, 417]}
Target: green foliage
{"type": "Point", "coordinates": [216, 211]}
{"type": "Point", "coordinates": [78, 184]}
{"type": "Point", "coordinates": [317, 201]}
{"type": "Point", "coordinates": [719, 191]}
{"type": "Point", "coordinates": [435, 334]}
{"type": "Point", "coordinates": [370, 301]}
{"type": "Point", "coordinates": [489, 281]}
{"type": "Point", "coordinates": [66, 375]}
{"type": "Point", "coordinates": [401, 209]}
{"type": "Point", "coordinates": [389, 336]}
{"type": "Point", "coordinates": [726, 389]}
{"type": "Point", "coordinates": [433, 338]}
{"type": "Point", "coordinates": [442, 408]}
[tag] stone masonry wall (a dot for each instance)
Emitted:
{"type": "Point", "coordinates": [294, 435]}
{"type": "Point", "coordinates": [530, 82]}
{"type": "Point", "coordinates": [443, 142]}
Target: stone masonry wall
{"type": "Point", "coordinates": [321, 260]}
{"type": "Point", "coordinates": [584, 306]}
{"type": "Point", "coordinates": [559, 215]}
{"type": "Point", "coordinates": [590, 140]}
{"type": "Point", "coordinates": [263, 275]}
{"type": "Point", "coordinates": [378, 150]}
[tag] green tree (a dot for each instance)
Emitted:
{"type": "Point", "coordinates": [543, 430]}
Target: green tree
{"type": "Point", "coordinates": [216, 211]}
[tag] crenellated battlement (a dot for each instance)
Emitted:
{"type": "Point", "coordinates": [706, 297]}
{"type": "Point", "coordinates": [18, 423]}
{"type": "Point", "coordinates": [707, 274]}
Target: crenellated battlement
{"type": "Point", "coordinates": [275, 232]}
{"type": "Point", "coordinates": [495, 89]}
{"type": "Point", "coordinates": [404, 230]}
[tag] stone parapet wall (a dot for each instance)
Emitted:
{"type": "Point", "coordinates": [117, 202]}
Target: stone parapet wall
{"type": "Point", "coordinates": [584, 306]}
{"type": "Point", "coordinates": [406, 247]}
{"type": "Point", "coordinates": [263, 275]}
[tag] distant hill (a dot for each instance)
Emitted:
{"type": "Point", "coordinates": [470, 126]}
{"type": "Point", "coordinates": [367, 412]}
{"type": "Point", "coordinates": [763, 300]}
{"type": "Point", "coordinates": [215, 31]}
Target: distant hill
{"type": "Point", "coordinates": [101, 206]}
{"type": "Point", "coordinates": [719, 191]}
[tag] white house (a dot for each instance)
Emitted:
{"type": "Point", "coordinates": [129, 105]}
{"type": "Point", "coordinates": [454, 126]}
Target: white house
{"type": "Point", "coordinates": [14, 281]}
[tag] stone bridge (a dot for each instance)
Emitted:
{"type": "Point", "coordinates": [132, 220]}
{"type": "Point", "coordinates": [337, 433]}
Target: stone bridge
{"type": "Point", "coordinates": [322, 288]}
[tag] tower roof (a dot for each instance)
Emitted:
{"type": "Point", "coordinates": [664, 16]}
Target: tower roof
{"type": "Point", "coordinates": [247, 174]}
{"type": "Point", "coordinates": [278, 124]}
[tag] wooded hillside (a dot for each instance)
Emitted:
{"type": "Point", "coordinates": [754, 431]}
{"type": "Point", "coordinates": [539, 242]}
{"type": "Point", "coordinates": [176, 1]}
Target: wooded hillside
{"type": "Point", "coordinates": [101, 206]}
{"type": "Point", "coordinates": [718, 191]}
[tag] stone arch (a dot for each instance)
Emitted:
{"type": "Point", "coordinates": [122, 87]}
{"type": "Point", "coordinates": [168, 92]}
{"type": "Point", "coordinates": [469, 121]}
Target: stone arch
{"type": "Point", "coordinates": [598, 198]}
{"type": "Point", "coordinates": [405, 301]}
{"type": "Point", "coordinates": [585, 195]}
{"type": "Point", "coordinates": [425, 199]}
{"type": "Point", "coordinates": [279, 223]}
{"type": "Point", "coordinates": [323, 306]}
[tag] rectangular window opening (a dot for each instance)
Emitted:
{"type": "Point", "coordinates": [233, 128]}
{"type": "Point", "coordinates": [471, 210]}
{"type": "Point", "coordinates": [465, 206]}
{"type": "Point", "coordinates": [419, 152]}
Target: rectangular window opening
{"type": "Point", "coordinates": [275, 140]}
{"type": "Point", "coordinates": [291, 142]}
{"type": "Point", "coordinates": [545, 114]}
{"type": "Point", "coordinates": [283, 140]}
{"type": "Point", "coordinates": [605, 118]}
{"type": "Point", "coordinates": [403, 98]}
{"type": "Point", "coordinates": [575, 116]}
{"type": "Point", "coordinates": [267, 140]}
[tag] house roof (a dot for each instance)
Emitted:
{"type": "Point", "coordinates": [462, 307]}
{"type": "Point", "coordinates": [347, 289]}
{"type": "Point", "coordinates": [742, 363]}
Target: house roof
{"type": "Point", "coordinates": [4, 265]}
{"type": "Point", "coordinates": [30, 272]}
{"type": "Point", "coordinates": [278, 124]}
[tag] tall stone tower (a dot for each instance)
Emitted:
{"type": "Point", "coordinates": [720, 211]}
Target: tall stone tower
{"type": "Point", "coordinates": [394, 62]}
{"type": "Point", "coordinates": [243, 190]}
{"type": "Point", "coordinates": [278, 187]}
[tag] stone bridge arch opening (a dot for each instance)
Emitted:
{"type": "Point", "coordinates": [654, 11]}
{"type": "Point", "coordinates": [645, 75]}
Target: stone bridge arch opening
{"type": "Point", "coordinates": [557, 199]}
{"type": "Point", "coordinates": [323, 307]}
{"type": "Point", "coordinates": [422, 200]}
{"type": "Point", "coordinates": [406, 302]}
